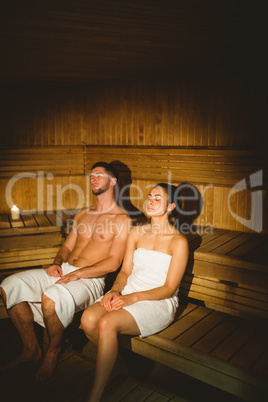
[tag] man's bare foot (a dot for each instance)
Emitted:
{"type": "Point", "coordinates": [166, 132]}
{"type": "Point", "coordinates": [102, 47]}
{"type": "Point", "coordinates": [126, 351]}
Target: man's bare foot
{"type": "Point", "coordinates": [26, 356]}
{"type": "Point", "coordinates": [48, 366]}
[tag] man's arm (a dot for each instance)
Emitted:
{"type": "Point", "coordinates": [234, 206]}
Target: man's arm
{"type": "Point", "coordinates": [64, 251]}
{"type": "Point", "coordinates": [106, 265]}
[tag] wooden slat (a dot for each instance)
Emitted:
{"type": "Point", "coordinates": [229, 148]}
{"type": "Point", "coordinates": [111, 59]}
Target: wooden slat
{"type": "Point", "coordinates": [228, 167]}
{"type": "Point", "coordinates": [55, 160]}
{"type": "Point", "coordinates": [233, 343]}
{"type": "Point", "coordinates": [261, 364]}
{"type": "Point", "coordinates": [213, 244]}
{"type": "Point", "coordinates": [42, 220]}
{"type": "Point", "coordinates": [186, 322]}
{"type": "Point", "coordinates": [216, 335]}
{"type": "Point", "coordinates": [228, 288]}
{"type": "Point", "coordinates": [29, 220]}
{"type": "Point", "coordinates": [4, 221]}
{"type": "Point", "coordinates": [18, 223]}
{"type": "Point", "coordinates": [32, 241]}
{"type": "Point", "coordinates": [27, 255]}
{"type": "Point", "coordinates": [200, 329]}
{"type": "Point", "coordinates": [251, 351]}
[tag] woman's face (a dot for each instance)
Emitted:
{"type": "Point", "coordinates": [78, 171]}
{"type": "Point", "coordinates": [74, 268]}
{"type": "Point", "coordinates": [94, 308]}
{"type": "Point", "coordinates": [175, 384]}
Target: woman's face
{"type": "Point", "coordinates": [157, 202]}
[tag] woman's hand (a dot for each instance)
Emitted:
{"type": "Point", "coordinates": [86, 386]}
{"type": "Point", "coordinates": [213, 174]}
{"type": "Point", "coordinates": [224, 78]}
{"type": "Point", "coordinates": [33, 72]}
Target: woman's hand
{"type": "Point", "coordinates": [107, 298]}
{"type": "Point", "coordinates": [54, 270]}
{"type": "Point", "coordinates": [122, 301]}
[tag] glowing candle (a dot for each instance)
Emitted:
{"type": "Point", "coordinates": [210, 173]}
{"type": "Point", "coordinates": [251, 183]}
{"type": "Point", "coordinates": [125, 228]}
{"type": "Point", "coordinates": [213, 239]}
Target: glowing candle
{"type": "Point", "coordinates": [15, 212]}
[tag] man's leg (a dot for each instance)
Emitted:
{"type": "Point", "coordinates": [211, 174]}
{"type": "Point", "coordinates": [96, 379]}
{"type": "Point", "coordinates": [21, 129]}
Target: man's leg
{"type": "Point", "coordinates": [59, 304]}
{"type": "Point", "coordinates": [55, 331]}
{"type": "Point", "coordinates": [22, 317]}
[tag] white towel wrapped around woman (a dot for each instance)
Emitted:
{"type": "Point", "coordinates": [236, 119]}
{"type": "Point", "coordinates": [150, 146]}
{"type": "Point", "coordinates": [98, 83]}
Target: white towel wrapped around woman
{"type": "Point", "coordinates": [150, 270]}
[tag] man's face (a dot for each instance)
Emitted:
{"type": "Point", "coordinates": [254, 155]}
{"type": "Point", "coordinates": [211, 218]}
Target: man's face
{"type": "Point", "coordinates": [100, 181]}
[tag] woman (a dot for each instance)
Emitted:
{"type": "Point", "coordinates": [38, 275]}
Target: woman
{"type": "Point", "coordinates": [143, 299]}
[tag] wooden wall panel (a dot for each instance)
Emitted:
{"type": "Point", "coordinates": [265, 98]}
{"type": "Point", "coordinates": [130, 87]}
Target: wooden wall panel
{"type": "Point", "coordinates": [74, 192]}
{"type": "Point", "coordinates": [58, 193]}
{"type": "Point", "coordinates": [184, 109]}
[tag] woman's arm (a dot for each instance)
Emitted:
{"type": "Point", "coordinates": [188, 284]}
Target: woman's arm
{"type": "Point", "coordinates": [124, 273]}
{"type": "Point", "coordinates": [180, 254]}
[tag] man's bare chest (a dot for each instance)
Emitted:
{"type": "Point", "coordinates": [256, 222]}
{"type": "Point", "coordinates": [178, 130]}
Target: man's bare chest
{"type": "Point", "coordinates": [96, 228]}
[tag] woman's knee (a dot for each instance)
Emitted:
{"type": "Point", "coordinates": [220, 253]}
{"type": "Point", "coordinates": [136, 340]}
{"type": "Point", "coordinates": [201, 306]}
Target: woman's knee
{"type": "Point", "coordinates": [107, 325]}
{"type": "Point", "coordinates": [89, 321]}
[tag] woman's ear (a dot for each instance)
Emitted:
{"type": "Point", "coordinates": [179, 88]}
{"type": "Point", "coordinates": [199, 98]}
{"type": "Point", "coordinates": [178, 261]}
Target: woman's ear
{"type": "Point", "coordinates": [171, 207]}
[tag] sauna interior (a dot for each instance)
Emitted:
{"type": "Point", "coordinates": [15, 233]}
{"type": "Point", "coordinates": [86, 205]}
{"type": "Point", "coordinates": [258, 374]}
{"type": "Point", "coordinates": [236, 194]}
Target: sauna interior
{"type": "Point", "coordinates": [169, 91]}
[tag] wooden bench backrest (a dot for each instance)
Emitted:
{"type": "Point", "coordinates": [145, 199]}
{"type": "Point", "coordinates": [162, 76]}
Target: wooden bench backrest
{"type": "Point", "coordinates": [212, 171]}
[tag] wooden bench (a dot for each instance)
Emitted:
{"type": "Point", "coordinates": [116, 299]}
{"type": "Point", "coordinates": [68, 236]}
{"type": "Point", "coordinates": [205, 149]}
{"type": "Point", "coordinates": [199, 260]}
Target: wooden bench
{"type": "Point", "coordinates": [210, 340]}
{"type": "Point", "coordinates": [33, 240]}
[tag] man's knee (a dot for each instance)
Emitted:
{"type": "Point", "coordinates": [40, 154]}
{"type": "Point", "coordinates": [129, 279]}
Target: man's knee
{"type": "Point", "coordinates": [48, 305]}
{"type": "Point", "coordinates": [4, 296]}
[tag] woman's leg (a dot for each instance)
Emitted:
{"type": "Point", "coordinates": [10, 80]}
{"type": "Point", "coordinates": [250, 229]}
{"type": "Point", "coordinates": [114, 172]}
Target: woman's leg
{"type": "Point", "coordinates": [110, 325]}
{"type": "Point", "coordinates": [90, 321]}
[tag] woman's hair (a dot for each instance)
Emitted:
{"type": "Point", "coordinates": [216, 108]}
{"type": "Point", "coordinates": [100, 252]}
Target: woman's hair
{"type": "Point", "coordinates": [173, 197]}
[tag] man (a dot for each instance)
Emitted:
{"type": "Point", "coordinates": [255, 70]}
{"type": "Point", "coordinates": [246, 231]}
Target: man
{"type": "Point", "coordinates": [95, 247]}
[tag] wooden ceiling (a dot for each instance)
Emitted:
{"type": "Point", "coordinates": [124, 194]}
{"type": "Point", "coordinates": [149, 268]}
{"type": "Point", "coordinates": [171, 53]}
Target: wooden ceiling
{"type": "Point", "coordinates": [66, 41]}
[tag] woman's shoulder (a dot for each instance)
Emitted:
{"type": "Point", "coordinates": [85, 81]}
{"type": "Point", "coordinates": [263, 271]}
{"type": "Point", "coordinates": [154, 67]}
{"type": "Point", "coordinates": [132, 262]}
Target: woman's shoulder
{"type": "Point", "coordinates": [179, 240]}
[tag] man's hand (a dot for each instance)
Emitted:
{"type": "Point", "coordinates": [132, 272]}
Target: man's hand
{"type": "Point", "coordinates": [107, 298]}
{"type": "Point", "coordinates": [73, 276]}
{"type": "Point", "coordinates": [54, 270]}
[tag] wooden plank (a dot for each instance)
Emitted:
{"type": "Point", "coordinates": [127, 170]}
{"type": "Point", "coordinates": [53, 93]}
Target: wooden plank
{"type": "Point", "coordinates": [252, 350]}
{"type": "Point", "coordinates": [231, 345]}
{"type": "Point", "coordinates": [261, 364]}
{"type": "Point", "coordinates": [213, 245]}
{"type": "Point", "coordinates": [195, 333]}
{"type": "Point", "coordinates": [16, 223]}
{"type": "Point", "coordinates": [32, 241]}
{"type": "Point", "coordinates": [235, 241]}
{"type": "Point", "coordinates": [226, 287]}
{"type": "Point", "coordinates": [217, 334]}
{"type": "Point", "coordinates": [26, 254]}
{"type": "Point", "coordinates": [230, 261]}
{"type": "Point", "coordinates": [155, 397]}
{"type": "Point", "coordinates": [4, 221]}
{"type": "Point", "coordinates": [54, 218]}
{"type": "Point", "coordinates": [42, 219]}
{"type": "Point", "coordinates": [248, 246]}
{"type": "Point", "coordinates": [26, 231]}
{"type": "Point", "coordinates": [121, 391]}
{"type": "Point", "coordinates": [186, 322]}
{"type": "Point", "coordinates": [205, 238]}
{"type": "Point", "coordinates": [140, 393]}
{"type": "Point", "coordinates": [225, 293]}
{"type": "Point", "coordinates": [224, 304]}
{"type": "Point", "coordinates": [29, 220]}
{"type": "Point", "coordinates": [29, 263]}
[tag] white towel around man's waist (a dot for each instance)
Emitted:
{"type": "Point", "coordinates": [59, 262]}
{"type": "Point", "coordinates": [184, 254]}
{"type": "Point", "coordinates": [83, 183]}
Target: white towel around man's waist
{"type": "Point", "coordinates": [69, 298]}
